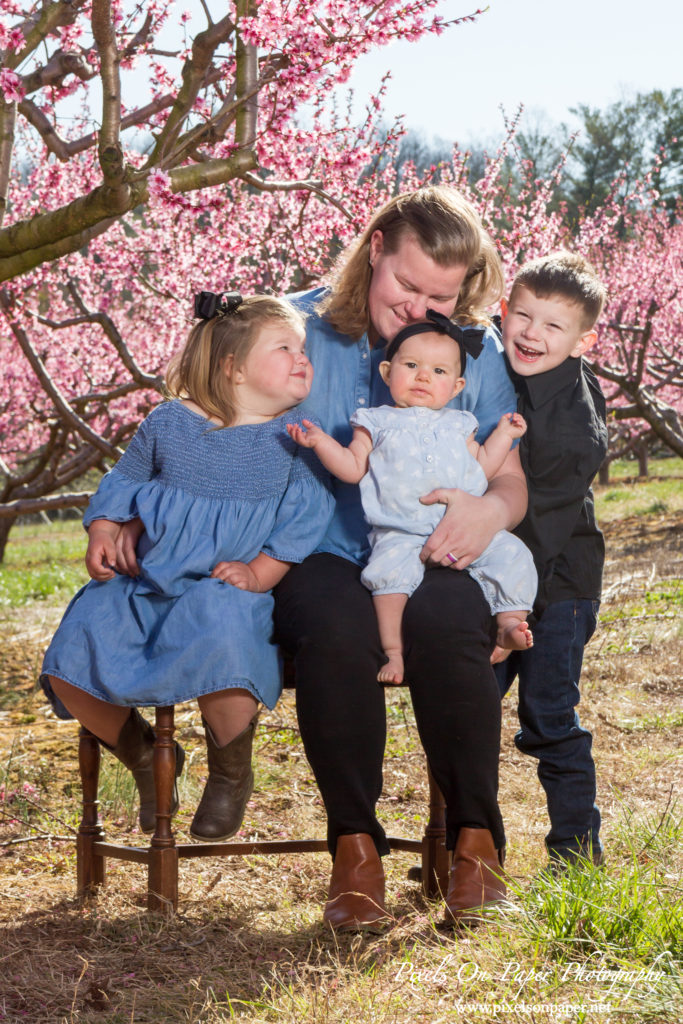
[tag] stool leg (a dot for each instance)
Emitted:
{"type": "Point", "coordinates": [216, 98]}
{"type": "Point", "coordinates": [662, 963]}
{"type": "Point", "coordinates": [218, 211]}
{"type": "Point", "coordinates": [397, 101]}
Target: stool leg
{"type": "Point", "coordinates": [162, 886]}
{"type": "Point", "coordinates": [434, 853]}
{"type": "Point", "coordinates": [90, 866]}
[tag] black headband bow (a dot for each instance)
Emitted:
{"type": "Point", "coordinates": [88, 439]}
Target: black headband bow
{"type": "Point", "coordinates": [469, 339]}
{"type": "Point", "coordinates": [210, 304]}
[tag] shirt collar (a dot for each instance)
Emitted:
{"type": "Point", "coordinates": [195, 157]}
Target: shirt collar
{"type": "Point", "coordinates": [543, 387]}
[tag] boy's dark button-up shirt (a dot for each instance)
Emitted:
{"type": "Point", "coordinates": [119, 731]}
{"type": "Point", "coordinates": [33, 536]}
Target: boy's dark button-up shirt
{"type": "Point", "coordinates": [562, 450]}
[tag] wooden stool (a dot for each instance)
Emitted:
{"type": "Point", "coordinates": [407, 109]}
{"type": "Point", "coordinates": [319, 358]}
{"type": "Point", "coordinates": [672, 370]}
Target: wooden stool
{"type": "Point", "coordinates": [163, 853]}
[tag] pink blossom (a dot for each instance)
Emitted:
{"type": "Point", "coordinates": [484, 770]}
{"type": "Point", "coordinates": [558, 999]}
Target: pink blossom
{"type": "Point", "coordinates": [11, 86]}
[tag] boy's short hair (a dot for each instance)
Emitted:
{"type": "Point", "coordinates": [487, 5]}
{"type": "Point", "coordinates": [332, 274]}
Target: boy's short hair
{"type": "Point", "coordinates": [567, 274]}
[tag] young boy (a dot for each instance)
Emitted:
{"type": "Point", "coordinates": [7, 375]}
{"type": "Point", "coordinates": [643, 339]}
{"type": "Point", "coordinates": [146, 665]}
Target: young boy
{"type": "Point", "coordinates": [548, 325]}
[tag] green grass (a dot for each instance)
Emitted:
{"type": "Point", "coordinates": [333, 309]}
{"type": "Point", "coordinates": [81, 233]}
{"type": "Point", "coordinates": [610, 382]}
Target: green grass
{"type": "Point", "coordinates": [42, 560]}
{"type": "Point", "coordinates": [661, 492]}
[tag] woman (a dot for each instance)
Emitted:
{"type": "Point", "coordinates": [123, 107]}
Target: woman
{"type": "Point", "coordinates": [422, 250]}
{"type": "Point", "coordinates": [425, 249]}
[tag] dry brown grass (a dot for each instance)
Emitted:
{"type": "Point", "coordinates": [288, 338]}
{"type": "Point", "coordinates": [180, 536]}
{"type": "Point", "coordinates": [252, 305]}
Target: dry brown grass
{"type": "Point", "coordinates": [248, 942]}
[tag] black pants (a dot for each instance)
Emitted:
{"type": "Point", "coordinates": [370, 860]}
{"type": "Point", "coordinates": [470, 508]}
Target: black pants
{"type": "Point", "coordinates": [325, 618]}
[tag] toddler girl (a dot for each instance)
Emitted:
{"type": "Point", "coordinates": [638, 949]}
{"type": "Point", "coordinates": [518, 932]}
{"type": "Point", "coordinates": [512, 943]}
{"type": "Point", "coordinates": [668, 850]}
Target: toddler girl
{"type": "Point", "coordinates": [399, 454]}
{"type": "Point", "coordinates": [227, 503]}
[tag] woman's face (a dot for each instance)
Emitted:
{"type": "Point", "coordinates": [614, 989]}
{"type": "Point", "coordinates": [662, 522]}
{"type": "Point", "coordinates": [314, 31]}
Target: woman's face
{"type": "Point", "coordinates": [406, 283]}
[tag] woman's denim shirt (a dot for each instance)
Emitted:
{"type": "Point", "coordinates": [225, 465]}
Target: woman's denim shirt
{"type": "Point", "coordinates": [346, 377]}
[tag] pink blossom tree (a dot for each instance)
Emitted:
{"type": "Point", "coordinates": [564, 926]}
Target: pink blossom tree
{"type": "Point", "coordinates": [241, 172]}
{"type": "Point", "coordinates": [223, 161]}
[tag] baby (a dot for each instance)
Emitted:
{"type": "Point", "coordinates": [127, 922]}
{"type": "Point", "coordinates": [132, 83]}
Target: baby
{"type": "Point", "coordinates": [399, 454]}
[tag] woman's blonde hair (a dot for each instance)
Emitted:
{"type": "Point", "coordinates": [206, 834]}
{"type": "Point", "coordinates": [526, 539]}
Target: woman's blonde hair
{"type": "Point", "coordinates": [447, 228]}
{"type": "Point", "coordinates": [198, 371]}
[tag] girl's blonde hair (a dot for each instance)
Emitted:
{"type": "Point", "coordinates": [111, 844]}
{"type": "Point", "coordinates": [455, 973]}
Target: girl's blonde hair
{"type": "Point", "coordinates": [447, 228]}
{"type": "Point", "coordinates": [198, 371]}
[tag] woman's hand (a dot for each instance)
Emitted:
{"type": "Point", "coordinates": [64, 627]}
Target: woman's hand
{"type": "Point", "coordinates": [470, 523]}
{"type": "Point", "coordinates": [100, 557]}
{"type": "Point", "coordinates": [467, 528]}
{"type": "Point", "coordinates": [126, 543]}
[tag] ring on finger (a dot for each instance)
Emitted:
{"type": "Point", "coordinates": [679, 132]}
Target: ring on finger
{"type": "Point", "coordinates": [451, 558]}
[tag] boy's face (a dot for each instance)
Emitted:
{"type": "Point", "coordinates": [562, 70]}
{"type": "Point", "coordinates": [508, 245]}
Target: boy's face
{"type": "Point", "coordinates": [424, 372]}
{"type": "Point", "coordinates": [539, 334]}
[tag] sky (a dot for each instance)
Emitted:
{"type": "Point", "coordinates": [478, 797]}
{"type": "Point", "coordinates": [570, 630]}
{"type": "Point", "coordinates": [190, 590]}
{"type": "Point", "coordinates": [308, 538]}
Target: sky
{"type": "Point", "coordinates": [549, 55]}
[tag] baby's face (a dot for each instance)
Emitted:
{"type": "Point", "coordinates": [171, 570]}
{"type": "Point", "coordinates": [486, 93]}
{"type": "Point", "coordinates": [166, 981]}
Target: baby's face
{"type": "Point", "coordinates": [424, 372]}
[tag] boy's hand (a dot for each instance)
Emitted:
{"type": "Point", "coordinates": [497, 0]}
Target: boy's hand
{"type": "Point", "coordinates": [100, 557]}
{"type": "Point", "coordinates": [238, 574]}
{"type": "Point", "coordinates": [307, 438]}
{"type": "Point", "coordinates": [514, 424]}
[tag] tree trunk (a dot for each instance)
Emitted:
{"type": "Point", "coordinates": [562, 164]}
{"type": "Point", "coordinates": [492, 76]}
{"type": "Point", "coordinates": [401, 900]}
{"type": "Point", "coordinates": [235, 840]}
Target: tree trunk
{"type": "Point", "coordinates": [6, 525]}
{"type": "Point", "coordinates": [603, 473]}
{"type": "Point", "coordinates": [642, 453]}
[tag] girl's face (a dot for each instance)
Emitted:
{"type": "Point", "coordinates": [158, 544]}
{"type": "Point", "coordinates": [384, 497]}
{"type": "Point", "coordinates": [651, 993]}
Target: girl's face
{"type": "Point", "coordinates": [405, 284]}
{"type": "Point", "coordinates": [424, 372]}
{"type": "Point", "coordinates": [275, 376]}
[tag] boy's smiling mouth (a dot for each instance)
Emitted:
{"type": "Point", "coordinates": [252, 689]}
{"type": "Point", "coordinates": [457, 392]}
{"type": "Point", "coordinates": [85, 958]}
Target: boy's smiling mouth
{"type": "Point", "coordinates": [528, 354]}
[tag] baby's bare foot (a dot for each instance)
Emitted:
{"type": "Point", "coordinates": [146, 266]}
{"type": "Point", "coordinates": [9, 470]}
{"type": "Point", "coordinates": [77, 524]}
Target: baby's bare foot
{"type": "Point", "coordinates": [392, 672]}
{"type": "Point", "coordinates": [515, 637]}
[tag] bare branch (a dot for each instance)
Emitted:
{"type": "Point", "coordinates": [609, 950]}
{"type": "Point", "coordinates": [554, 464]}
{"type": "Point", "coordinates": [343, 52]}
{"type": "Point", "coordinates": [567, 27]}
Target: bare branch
{"type": "Point", "coordinates": [59, 67]}
{"type": "Point", "coordinates": [30, 257]}
{"type": "Point", "coordinates": [271, 185]}
{"type": "Point", "coordinates": [35, 117]}
{"type": "Point", "coordinates": [25, 506]}
{"type": "Point", "coordinates": [8, 115]}
{"type": "Point", "coordinates": [212, 172]}
{"type": "Point", "coordinates": [246, 77]}
{"type": "Point", "coordinates": [110, 148]}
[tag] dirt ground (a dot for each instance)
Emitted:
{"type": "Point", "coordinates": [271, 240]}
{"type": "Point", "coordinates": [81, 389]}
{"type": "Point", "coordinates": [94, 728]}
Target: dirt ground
{"type": "Point", "coordinates": [632, 702]}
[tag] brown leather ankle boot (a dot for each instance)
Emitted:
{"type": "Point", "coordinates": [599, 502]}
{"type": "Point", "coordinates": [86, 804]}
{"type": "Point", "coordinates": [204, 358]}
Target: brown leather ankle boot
{"type": "Point", "coordinates": [356, 900]}
{"type": "Point", "coordinates": [228, 787]}
{"type": "Point", "coordinates": [476, 876]}
{"type": "Point", "coordinates": [135, 749]}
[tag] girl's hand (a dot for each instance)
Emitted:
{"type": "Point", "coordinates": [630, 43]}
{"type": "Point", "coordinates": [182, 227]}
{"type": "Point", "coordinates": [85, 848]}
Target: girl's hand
{"type": "Point", "coordinates": [307, 438]}
{"type": "Point", "coordinates": [126, 542]}
{"type": "Point", "coordinates": [239, 574]}
{"type": "Point", "coordinates": [100, 557]}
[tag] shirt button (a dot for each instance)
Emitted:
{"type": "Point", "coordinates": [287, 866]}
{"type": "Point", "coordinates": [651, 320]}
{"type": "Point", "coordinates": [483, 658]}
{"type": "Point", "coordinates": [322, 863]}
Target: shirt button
{"type": "Point", "coordinates": [365, 355]}
{"type": "Point", "coordinates": [361, 401]}
{"type": "Point", "coordinates": [426, 440]}
{"type": "Point", "coordinates": [430, 458]}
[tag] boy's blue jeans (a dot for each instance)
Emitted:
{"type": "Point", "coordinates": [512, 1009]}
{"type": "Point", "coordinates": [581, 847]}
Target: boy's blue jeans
{"type": "Point", "coordinates": [550, 729]}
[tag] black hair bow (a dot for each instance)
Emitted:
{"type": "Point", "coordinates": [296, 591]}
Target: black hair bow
{"type": "Point", "coordinates": [210, 304]}
{"type": "Point", "coordinates": [469, 339]}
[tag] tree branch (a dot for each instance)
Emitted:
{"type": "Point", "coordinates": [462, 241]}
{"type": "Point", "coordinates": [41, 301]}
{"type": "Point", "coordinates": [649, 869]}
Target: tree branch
{"type": "Point", "coordinates": [52, 16]}
{"type": "Point", "coordinates": [8, 115]}
{"type": "Point", "coordinates": [67, 414]}
{"type": "Point", "coordinates": [109, 146]}
{"type": "Point", "coordinates": [194, 73]}
{"type": "Point", "coordinates": [25, 506]}
{"type": "Point", "coordinates": [246, 78]}
{"type": "Point", "coordinates": [272, 185]}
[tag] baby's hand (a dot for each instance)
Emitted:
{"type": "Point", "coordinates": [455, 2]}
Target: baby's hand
{"type": "Point", "coordinates": [238, 574]}
{"type": "Point", "coordinates": [513, 424]}
{"type": "Point", "coordinates": [307, 438]}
